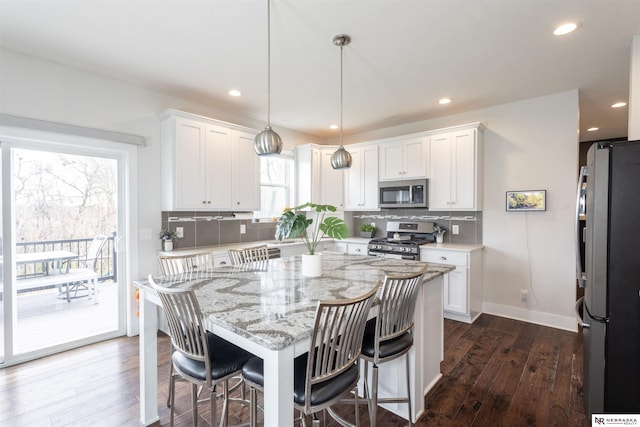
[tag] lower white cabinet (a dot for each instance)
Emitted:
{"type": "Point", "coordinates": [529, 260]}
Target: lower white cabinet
{"type": "Point", "coordinates": [462, 286]}
{"type": "Point", "coordinates": [221, 259]}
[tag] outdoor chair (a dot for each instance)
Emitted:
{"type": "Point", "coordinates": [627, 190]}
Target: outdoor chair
{"type": "Point", "coordinates": [200, 357]}
{"type": "Point", "coordinates": [329, 371]}
{"type": "Point", "coordinates": [87, 265]}
{"type": "Point", "coordinates": [389, 335]}
{"type": "Point", "coordinates": [243, 256]}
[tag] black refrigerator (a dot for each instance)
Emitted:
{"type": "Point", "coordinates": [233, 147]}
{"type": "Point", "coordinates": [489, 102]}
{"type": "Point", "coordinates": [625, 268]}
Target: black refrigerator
{"type": "Point", "coordinates": [609, 312]}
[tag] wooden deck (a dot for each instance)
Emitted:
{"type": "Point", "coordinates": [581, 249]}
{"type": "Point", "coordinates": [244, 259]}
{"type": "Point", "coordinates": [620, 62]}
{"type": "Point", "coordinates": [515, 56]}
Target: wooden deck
{"type": "Point", "coordinates": [46, 318]}
{"type": "Point", "coordinates": [497, 372]}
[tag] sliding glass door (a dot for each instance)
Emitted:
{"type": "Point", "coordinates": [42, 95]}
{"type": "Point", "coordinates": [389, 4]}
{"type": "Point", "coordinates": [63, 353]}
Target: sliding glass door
{"type": "Point", "coordinates": [64, 260]}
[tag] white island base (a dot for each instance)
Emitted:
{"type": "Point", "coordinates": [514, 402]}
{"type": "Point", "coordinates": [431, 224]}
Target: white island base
{"type": "Point", "coordinates": [428, 332]}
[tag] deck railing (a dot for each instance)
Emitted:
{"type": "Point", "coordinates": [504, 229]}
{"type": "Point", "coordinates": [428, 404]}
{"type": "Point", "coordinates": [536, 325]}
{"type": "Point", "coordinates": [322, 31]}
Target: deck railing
{"type": "Point", "coordinates": [106, 266]}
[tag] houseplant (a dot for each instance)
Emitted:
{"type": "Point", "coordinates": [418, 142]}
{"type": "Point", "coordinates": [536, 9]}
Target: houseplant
{"type": "Point", "coordinates": [367, 230]}
{"type": "Point", "coordinates": [294, 223]}
{"type": "Point", "coordinates": [439, 231]}
{"type": "Point", "coordinates": [166, 237]}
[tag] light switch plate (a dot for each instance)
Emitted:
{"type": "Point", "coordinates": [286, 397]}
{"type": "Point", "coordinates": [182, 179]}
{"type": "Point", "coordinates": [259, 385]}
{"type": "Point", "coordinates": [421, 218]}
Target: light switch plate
{"type": "Point", "coordinates": [243, 228]}
{"type": "Point", "coordinates": [455, 229]}
{"type": "Point", "coordinates": [179, 232]}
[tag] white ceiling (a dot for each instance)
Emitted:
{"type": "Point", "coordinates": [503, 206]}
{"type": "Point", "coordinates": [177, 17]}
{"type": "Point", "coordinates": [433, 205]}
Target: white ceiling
{"type": "Point", "coordinates": [404, 54]}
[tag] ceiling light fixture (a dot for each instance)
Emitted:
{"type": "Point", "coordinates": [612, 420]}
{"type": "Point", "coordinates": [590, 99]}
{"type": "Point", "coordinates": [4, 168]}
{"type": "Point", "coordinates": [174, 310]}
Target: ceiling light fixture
{"type": "Point", "coordinates": [593, 129]}
{"type": "Point", "coordinates": [341, 159]}
{"type": "Point", "coordinates": [619, 104]}
{"type": "Point", "coordinates": [235, 92]}
{"type": "Point", "coordinates": [565, 29]}
{"type": "Point", "coordinates": [268, 142]}
{"type": "Point", "coordinates": [444, 101]}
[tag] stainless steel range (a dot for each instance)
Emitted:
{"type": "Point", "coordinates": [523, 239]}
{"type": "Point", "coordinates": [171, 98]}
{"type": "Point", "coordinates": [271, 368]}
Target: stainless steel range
{"type": "Point", "coordinates": [403, 240]}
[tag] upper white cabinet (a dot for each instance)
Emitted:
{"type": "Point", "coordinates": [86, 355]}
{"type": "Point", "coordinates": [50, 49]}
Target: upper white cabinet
{"type": "Point", "coordinates": [361, 179]}
{"type": "Point", "coordinates": [317, 181]}
{"type": "Point", "coordinates": [207, 165]}
{"type": "Point", "coordinates": [404, 159]}
{"type": "Point", "coordinates": [456, 159]}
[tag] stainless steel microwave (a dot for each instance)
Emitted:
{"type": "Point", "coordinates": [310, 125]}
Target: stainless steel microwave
{"type": "Point", "coordinates": [404, 194]}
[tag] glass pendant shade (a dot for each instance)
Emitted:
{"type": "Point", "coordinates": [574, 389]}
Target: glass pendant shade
{"type": "Point", "coordinates": [341, 159]}
{"type": "Point", "coordinates": [267, 142]}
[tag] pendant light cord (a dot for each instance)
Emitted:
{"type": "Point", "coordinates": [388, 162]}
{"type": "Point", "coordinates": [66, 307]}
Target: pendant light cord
{"type": "Point", "coordinates": [341, 93]}
{"type": "Point", "coordinates": [269, 63]}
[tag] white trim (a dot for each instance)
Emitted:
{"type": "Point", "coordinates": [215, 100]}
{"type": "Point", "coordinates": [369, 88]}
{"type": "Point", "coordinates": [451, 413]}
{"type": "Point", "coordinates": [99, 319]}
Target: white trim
{"type": "Point", "coordinates": [41, 125]}
{"type": "Point", "coordinates": [531, 316]}
{"type": "Point", "coordinates": [126, 156]}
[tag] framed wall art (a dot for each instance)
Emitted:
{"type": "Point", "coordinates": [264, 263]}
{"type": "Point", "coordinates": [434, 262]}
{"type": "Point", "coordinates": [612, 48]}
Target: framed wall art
{"type": "Point", "coordinates": [518, 201]}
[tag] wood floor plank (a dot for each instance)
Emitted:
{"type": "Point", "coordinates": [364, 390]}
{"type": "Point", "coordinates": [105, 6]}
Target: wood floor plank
{"type": "Point", "coordinates": [497, 372]}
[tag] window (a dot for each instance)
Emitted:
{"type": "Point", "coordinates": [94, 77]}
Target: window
{"type": "Point", "coordinates": [276, 184]}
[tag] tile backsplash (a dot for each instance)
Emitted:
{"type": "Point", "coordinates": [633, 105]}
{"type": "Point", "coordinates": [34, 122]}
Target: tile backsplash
{"type": "Point", "coordinates": [219, 228]}
{"type": "Point", "coordinates": [215, 228]}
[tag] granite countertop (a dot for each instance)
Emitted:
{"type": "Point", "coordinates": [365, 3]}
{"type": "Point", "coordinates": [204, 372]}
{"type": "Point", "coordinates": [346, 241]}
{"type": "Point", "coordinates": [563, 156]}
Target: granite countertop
{"type": "Point", "coordinates": [272, 304]}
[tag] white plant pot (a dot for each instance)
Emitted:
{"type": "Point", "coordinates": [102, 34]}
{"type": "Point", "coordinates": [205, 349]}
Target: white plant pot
{"type": "Point", "coordinates": [167, 245]}
{"type": "Point", "coordinates": [312, 265]}
{"type": "Point", "coordinates": [439, 238]}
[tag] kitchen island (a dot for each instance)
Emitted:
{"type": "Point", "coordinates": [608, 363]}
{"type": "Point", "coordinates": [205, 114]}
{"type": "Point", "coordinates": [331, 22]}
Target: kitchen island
{"type": "Point", "coordinates": [268, 308]}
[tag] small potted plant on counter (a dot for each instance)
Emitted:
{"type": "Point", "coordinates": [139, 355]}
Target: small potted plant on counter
{"type": "Point", "coordinates": [439, 231]}
{"type": "Point", "coordinates": [367, 230]}
{"type": "Point", "coordinates": [294, 223]}
{"type": "Point", "coordinates": [166, 237]}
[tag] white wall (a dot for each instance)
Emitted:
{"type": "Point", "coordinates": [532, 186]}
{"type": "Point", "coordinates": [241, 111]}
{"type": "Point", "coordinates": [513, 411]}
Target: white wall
{"type": "Point", "coordinates": [529, 145]}
{"type": "Point", "coordinates": [48, 91]}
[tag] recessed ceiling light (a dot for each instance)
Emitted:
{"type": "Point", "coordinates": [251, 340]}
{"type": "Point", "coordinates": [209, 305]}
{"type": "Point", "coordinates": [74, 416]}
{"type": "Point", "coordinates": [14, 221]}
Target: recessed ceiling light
{"type": "Point", "coordinates": [566, 28]}
{"type": "Point", "coordinates": [444, 101]}
{"type": "Point", "coordinates": [593, 129]}
{"type": "Point", "coordinates": [619, 104]}
{"type": "Point", "coordinates": [333, 127]}
{"type": "Point", "coordinates": [235, 92]}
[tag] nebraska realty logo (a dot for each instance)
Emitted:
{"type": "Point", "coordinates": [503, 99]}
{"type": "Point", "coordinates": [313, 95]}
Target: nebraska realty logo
{"type": "Point", "coordinates": [615, 419]}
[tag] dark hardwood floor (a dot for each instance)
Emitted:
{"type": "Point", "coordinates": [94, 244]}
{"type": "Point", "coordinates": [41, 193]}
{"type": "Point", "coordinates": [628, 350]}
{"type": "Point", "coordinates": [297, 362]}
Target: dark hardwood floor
{"type": "Point", "coordinates": [497, 372]}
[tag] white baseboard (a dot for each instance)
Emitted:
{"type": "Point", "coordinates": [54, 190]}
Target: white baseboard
{"type": "Point", "coordinates": [538, 317]}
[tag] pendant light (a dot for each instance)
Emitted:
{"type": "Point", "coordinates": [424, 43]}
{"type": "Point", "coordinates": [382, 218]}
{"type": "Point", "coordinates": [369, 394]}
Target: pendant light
{"type": "Point", "coordinates": [341, 159]}
{"type": "Point", "coordinates": [268, 142]}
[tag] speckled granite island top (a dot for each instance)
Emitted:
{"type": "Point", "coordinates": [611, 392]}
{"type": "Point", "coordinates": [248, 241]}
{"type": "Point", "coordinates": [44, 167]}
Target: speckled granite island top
{"type": "Point", "coordinates": [273, 305]}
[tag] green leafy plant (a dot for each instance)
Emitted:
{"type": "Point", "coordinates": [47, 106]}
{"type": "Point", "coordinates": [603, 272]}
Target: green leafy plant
{"type": "Point", "coordinates": [167, 235]}
{"type": "Point", "coordinates": [368, 228]}
{"type": "Point", "coordinates": [439, 230]}
{"type": "Point", "coordinates": [294, 223]}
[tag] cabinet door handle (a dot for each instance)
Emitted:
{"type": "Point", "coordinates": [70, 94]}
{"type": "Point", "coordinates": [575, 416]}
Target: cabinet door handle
{"type": "Point", "coordinates": [443, 258]}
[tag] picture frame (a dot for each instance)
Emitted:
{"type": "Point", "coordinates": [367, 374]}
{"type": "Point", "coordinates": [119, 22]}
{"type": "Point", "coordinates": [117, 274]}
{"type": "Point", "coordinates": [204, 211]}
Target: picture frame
{"type": "Point", "coordinates": [526, 201]}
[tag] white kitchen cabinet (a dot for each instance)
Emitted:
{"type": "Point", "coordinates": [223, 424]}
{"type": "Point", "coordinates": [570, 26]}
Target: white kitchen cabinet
{"type": "Point", "coordinates": [462, 286]}
{"type": "Point", "coordinates": [318, 182]}
{"type": "Point", "coordinates": [220, 260]}
{"type": "Point", "coordinates": [207, 165]}
{"type": "Point", "coordinates": [357, 248]}
{"type": "Point", "coordinates": [361, 179]}
{"type": "Point", "coordinates": [404, 159]}
{"type": "Point", "coordinates": [456, 172]}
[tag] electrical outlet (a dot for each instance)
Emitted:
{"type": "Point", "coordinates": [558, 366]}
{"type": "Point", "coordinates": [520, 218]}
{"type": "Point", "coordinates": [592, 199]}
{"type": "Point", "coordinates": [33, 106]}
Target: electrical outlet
{"type": "Point", "coordinates": [179, 232]}
{"type": "Point", "coordinates": [524, 295]}
{"type": "Point", "coordinates": [455, 229]}
{"type": "Point", "coordinates": [373, 223]}
{"type": "Point", "coordinates": [243, 228]}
